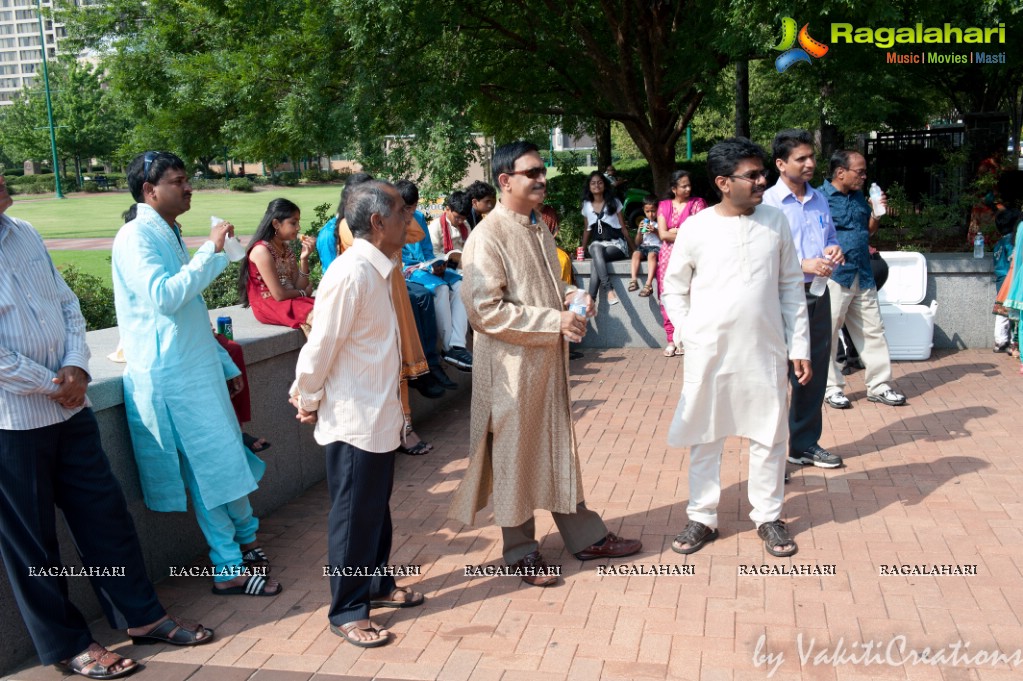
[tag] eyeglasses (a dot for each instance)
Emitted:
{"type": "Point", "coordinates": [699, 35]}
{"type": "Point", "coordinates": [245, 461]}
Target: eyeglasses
{"type": "Point", "coordinates": [751, 176]}
{"type": "Point", "coordinates": [858, 173]}
{"type": "Point", "coordinates": [531, 173]}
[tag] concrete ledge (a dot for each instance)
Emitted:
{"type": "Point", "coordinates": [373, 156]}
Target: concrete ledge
{"type": "Point", "coordinates": [294, 462]}
{"type": "Point", "coordinates": [962, 285]}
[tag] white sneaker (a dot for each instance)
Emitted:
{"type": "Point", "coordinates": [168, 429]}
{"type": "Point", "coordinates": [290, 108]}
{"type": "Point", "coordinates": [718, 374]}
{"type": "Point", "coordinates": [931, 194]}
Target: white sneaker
{"type": "Point", "coordinates": [838, 400]}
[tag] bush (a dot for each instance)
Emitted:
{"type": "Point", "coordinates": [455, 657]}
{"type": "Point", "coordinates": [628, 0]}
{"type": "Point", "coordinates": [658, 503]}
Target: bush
{"type": "Point", "coordinates": [564, 194]}
{"type": "Point", "coordinates": [288, 179]}
{"type": "Point", "coordinates": [90, 187]}
{"type": "Point", "coordinates": [240, 184]}
{"type": "Point", "coordinates": [40, 184]}
{"type": "Point", "coordinates": [223, 292]}
{"type": "Point", "coordinates": [204, 183]}
{"type": "Point", "coordinates": [95, 299]}
{"type": "Point", "coordinates": [315, 175]}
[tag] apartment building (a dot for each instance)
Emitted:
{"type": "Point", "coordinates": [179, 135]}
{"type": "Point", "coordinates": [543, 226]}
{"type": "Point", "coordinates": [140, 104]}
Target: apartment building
{"type": "Point", "coordinates": [21, 57]}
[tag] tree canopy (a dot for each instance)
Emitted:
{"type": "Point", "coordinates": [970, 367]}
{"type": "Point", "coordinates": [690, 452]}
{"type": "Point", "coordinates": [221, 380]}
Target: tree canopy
{"type": "Point", "coordinates": [402, 84]}
{"type": "Point", "coordinates": [86, 115]}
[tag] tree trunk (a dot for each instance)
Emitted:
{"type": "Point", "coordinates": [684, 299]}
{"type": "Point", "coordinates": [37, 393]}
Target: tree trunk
{"type": "Point", "coordinates": [602, 133]}
{"type": "Point", "coordinates": [742, 99]}
{"type": "Point", "coordinates": [830, 139]}
{"type": "Point", "coordinates": [662, 165]}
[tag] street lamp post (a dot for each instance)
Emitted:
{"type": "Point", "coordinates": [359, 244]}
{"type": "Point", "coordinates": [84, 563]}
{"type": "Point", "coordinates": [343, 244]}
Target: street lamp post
{"type": "Point", "coordinates": [49, 105]}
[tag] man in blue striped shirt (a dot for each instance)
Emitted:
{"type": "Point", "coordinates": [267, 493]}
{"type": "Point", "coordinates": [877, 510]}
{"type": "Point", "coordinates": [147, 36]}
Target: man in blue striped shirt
{"type": "Point", "coordinates": [51, 454]}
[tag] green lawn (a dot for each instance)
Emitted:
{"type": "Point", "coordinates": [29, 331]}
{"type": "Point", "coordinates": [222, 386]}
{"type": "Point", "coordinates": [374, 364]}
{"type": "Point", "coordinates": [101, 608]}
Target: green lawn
{"type": "Point", "coordinates": [99, 215]}
{"type": "Point", "coordinates": [96, 263]}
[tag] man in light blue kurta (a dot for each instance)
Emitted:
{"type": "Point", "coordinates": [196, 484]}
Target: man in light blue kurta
{"type": "Point", "coordinates": [183, 428]}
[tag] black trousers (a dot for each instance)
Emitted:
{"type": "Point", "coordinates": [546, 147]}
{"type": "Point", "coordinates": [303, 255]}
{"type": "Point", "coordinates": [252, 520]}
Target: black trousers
{"type": "Point", "coordinates": [358, 528]}
{"type": "Point", "coordinates": [64, 465]}
{"type": "Point", "coordinates": [426, 321]}
{"type": "Point", "coordinates": [805, 418]}
{"type": "Point", "coordinates": [601, 256]}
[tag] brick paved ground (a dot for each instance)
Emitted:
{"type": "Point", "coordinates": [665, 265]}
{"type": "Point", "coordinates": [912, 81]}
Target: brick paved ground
{"type": "Point", "coordinates": [935, 482]}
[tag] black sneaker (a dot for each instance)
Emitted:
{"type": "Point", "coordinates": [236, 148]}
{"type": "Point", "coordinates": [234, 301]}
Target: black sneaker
{"type": "Point", "coordinates": [442, 379]}
{"type": "Point", "coordinates": [460, 358]}
{"type": "Point", "coordinates": [427, 386]}
{"type": "Point", "coordinates": [818, 456]}
{"type": "Point", "coordinates": [1002, 347]}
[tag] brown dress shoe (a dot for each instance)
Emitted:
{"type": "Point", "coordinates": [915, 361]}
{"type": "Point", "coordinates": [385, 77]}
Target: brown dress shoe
{"type": "Point", "coordinates": [613, 547]}
{"type": "Point", "coordinates": [534, 570]}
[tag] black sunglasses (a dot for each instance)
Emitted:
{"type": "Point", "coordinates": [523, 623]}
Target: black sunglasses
{"type": "Point", "coordinates": [531, 173]}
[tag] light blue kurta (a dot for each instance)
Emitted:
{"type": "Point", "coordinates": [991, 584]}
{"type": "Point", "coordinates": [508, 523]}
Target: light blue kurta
{"type": "Point", "coordinates": [175, 383]}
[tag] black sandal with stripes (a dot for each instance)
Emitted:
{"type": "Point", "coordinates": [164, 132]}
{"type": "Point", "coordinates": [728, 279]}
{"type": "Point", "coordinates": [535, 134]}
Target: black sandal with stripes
{"type": "Point", "coordinates": [255, 585]}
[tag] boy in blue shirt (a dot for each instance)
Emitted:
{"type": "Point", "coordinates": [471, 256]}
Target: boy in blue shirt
{"type": "Point", "coordinates": [648, 245]}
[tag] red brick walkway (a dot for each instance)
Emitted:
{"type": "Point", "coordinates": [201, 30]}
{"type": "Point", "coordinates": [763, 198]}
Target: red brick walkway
{"type": "Point", "coordinates": [936, 483]}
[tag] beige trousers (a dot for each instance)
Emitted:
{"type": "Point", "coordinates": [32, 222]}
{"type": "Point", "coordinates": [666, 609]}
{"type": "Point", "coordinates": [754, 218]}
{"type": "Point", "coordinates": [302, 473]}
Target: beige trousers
{"type": "Point", "coordinates": [860, 312]}
{"type": "Point", "coordinates": [578, 530]}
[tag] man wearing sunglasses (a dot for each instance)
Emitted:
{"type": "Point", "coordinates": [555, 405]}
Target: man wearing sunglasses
{"type": "Point", "coordinates": [852, 286]}
{"type": "Point", "coordinates": [734, 276]}
{"type": "Point", "coordinates": [522, 446]}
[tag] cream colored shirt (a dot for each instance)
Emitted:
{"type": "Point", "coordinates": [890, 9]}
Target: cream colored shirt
{"type": "Point", "coordinates": [348, 370]}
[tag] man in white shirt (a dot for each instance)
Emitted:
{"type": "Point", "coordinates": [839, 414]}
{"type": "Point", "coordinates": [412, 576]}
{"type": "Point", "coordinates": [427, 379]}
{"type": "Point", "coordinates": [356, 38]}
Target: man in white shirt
{"type": "Point", "coordinates": [346, 382]}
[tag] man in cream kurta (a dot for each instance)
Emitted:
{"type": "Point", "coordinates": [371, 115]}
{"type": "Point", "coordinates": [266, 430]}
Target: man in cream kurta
{"type": "Point", "coordinates": [522, 444]}
{"type": "Point", "coordinates": [733, 277]}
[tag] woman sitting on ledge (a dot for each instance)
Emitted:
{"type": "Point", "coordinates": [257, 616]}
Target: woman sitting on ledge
{"type": "Point", "coordinates": [270, 280]}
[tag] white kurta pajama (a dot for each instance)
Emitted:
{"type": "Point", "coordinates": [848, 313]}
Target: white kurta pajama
{"type": "Point", "coordinates": [734, 292]}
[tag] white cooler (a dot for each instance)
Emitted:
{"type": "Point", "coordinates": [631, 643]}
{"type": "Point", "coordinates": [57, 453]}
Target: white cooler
{"type": "Point", "coordinates": [908, 326]}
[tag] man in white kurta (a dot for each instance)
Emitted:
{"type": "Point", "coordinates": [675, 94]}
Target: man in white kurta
{"type": "Point", "coordinates": [733, 290]}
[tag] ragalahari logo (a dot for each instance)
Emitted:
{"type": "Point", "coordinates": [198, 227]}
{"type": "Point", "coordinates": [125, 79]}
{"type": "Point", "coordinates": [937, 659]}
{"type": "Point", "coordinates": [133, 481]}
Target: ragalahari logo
{"type": "Point", "coordinates": [808, 47]}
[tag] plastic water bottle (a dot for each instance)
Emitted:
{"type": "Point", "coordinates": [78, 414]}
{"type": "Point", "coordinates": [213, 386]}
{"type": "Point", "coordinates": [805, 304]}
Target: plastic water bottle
{"type": "Point", "coordinates": [819, 285]}
{"type": "Point", "coordinates": [875, 200]}
{"type": "Point", "coordinates": [579, 304]}
{"type": "Point", "coordinates": [978, 246]}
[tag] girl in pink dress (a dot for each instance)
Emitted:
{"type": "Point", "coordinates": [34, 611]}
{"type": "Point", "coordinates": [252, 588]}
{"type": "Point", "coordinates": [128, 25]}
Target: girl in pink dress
{"type": "Point", "coordinates": [271, 280]}
{"type": "Point", "coordinates": [670, 214]}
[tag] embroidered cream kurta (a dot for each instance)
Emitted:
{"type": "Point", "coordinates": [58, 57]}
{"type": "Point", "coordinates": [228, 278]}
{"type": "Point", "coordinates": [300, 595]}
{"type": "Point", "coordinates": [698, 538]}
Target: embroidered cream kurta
{"type": "Point", "coordinates": [522, 447]}
{"type": "Point", "coordinates": [734, 291]}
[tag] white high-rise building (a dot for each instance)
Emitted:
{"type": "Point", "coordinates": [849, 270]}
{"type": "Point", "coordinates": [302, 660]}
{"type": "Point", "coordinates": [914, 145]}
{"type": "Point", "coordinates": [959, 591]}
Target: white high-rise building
{"type": "Point", "coordinates": [20, 50]}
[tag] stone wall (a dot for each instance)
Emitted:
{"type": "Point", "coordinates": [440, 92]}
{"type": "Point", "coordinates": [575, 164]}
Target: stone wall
{"type": "Point", "coordinates": [961, 284]}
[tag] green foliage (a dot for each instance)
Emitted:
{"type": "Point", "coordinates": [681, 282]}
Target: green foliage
{"type": "Point", "coordinates": [89, 119]}
{"type": "Point", "coordinates": [95, 299]}
{"type": "Point", "coordinates": [564, 194]}
{"type": "Point", "coordinates": [936, 223]}
{"type": "Point", "coordinates": [39, 184]}
{"type": "Point", "coordinates": [286, 179]}
{"type": "Point", "coordinates": [322, 213]}
{"type": "Point", "coordinates": [90, 187]}
{"type": "Point", "coordinates": [223, 291]}
{"type": "Point", "coordinates": [241, 184]}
